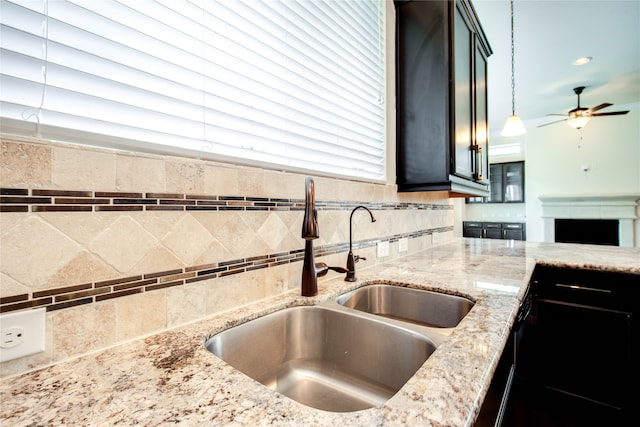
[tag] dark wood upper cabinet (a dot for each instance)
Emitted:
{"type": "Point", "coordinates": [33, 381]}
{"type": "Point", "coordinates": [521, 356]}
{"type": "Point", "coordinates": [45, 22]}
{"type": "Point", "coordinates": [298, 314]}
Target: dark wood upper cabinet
{"type": "Point", "coordinates": [442, 138]}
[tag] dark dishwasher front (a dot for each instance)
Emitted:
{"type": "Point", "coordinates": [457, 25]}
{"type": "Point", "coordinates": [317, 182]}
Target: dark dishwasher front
{"type": "Point", "coordinates": [496, 410]}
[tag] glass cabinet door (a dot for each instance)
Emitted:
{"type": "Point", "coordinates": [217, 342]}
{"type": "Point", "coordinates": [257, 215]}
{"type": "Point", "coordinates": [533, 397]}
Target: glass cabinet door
{"type": "Point", "coordinates": [463, 117]}
{"type": "Point", "coordinates": [513, 175]}
{"type": "Point", "coordinates": [495, 184]}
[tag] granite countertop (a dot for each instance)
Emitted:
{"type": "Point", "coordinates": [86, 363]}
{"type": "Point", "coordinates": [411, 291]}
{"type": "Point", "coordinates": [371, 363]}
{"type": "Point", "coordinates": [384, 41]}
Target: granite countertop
{"type": "Point", "coordinates": [171, 378]}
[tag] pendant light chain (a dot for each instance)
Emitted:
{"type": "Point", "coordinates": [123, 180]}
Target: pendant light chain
{"type": "Point", "coordinates": [513, 74]}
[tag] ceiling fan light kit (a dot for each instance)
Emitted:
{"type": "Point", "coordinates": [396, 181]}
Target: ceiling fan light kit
{"type": "Point", "coordinates": [580, 116]}
{"type": "Point", "coordinates": [513, 125]}
{"type": "Point", "coordinates": [578, 121]}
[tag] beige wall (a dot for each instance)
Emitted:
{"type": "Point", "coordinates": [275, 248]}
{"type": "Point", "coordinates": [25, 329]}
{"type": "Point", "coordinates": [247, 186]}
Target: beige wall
{"type": "Point", "coordinates": [609, 148]}
{"type": "Point", "coordinates": [111, 243]}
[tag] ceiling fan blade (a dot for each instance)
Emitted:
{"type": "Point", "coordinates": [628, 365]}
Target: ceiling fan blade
{"type": "Point", "coordinates": [557, 121]}
{"type": "Point", "coordinates": [600, 107]}
{"type": "Point", "coordinates": [553, 114]}
{"type": "Point", "coordinates": [613, 113]}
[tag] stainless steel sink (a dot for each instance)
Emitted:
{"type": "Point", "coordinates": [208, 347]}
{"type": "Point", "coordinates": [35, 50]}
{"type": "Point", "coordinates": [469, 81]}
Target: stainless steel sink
{"type": "Point", "coordinates": [417, 306]}
{"type": "Point", "coordinates": [324, 358]}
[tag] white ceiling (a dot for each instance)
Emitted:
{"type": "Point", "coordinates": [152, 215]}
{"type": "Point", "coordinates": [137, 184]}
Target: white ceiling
{"type": "Point", "coordinates": [549, 36]}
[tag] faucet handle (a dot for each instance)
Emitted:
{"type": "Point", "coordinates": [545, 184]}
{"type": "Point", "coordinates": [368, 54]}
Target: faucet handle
{"type": "Point", "coordinates": [357, 258]}
{"type": "Point", "coordinates": [322, 269]}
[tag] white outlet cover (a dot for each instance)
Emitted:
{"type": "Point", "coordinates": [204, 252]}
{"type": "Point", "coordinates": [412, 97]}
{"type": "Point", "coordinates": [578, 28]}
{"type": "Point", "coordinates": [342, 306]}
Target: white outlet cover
{"type": "Point", "coordinates": [383, 249]}
{"type": "Point", "coordinates": [403, 244]}
{"type": "Point", "coordinates": [22, 333]}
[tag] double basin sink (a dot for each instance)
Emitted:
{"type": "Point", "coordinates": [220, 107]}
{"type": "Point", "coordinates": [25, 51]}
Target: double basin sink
{"type": "Point", "coordinates": [345, 355]}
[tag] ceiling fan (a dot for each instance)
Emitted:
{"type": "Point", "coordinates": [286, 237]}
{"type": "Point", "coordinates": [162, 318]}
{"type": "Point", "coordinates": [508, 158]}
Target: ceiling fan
{"type": "Point", "coordinates": [580, 116]}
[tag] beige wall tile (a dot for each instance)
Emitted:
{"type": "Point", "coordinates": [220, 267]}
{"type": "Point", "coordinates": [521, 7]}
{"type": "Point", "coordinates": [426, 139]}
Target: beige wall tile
{"type": "Point", "coordinates": [184, 177]}
{"type": "Point", "coordinates": [140, 314]}
{"type": "Point", "coordinates": [84, 169]}
{"type": "Point", "coordinates": [80, 226]}
{"type": "Point", "coordinates": [216, 252]}
{"type": "Point", "coordinates": [185, 304]}
{"type": "Point", "coordinates": [24, 165]}
{"type": "Point", "coordinates": [158, 223]}
{"type": "Point", "coordinates": [9, 286]}
{"type": "Point", "coordinates": [278, 279]}
{"type": "Point", "coordinates": [221, 180]}
{"type": "Point", "coordinates": [123, 244]}
{"type": "Point", "coordinates": [32, 251]}
{"type": "Point", "coordinates": [8, 220]}
{"type": "Point", "coordinates": [83, 268]}
{"type": "Point", "coordinates": [251, 182]}
{"type": "Point", "coordinates": [187, 239]}
{"type": "Point", "coordinates": [134, 173]}
{"type": "Point", "coordinates": [232, 291]}
{"type": "Point", "coordinates": [158, 259]}
{"type": "Point", "coordinates": [82, 329]}
{"type": "Point", "coordinates": [279, 183]}
{"type": "Point", "coordinates": [273, 232]}
{"type": "Point", "coordinates": [233, 233]}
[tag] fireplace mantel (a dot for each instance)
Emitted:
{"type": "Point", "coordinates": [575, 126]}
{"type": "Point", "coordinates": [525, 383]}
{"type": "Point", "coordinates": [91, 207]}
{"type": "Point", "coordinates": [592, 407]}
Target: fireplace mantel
{"type": "Point", "coordinates": [622, 206]}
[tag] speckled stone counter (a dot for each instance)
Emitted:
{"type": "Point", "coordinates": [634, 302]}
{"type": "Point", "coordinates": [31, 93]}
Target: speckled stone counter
{"type": "Point", "coordinates": [171, 378]}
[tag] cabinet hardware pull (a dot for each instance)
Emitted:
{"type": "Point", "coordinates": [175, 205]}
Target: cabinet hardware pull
{"type": "Point", "coordinates": [583, 288]}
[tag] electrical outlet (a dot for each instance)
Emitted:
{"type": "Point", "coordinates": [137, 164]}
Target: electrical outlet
{"type": "Point", "coordinates": [383, 249]}
{"type": "Point", "coordinates": [403, 244]}
{"type": "Point", "coordinates": [21, 334]}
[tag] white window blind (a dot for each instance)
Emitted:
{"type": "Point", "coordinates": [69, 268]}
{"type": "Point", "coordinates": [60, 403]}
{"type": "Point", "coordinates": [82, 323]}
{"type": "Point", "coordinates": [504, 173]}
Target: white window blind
{"type": "Point", "coordinates": [293, 84]}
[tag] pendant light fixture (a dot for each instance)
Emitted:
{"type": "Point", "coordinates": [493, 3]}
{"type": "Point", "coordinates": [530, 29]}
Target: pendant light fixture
{"type": "Point", "coordinates": [514, 125]}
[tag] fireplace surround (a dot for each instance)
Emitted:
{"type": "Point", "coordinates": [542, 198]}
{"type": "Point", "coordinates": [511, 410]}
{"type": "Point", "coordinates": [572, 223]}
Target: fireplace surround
{"type": "Point", "coordinates": [621, 207]}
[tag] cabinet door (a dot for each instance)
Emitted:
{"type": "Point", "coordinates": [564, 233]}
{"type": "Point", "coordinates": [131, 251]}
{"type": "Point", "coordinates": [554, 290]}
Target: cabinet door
{"type": "Point", "coordinates": [513, 175]}
{"type": "Point", "coordinates": [423, 140]}
{"type": "Point", "coordinates": [471, 229]}
{"type": "Point", "coordinates": [513, 231]}
{"type": "Point", "coordinates": [495, 186]}
{"type": "Point", "coordinates": [493, 230]}
{"type": "Point", "coordinates": [481, 122]}
{"type": "Point", "coordinates": [463, 96]}
{"type": "Point", "coordinates": [585, 351]}
{"type": "Point", "coordinates": [507, 182]}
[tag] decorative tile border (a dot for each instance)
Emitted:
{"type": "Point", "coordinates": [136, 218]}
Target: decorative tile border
{"type": "Point", "coordinates": [87, 293]}
{"type": "Point", "coordinates": [42, 200]}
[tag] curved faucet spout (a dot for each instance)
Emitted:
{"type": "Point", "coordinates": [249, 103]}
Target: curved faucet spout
{"type": "Point", "coordinates": [352, 259]}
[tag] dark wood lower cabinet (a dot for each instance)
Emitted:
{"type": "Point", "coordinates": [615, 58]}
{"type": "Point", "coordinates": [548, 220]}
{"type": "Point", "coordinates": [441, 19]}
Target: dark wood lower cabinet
{"type": "Point", "coordinates": [494, 230]}
{"type": "Point", "coordinates": [579, 360]}
{"type": "Point", "coordinates": [472, 229]}
{"type": "Point", "coordinates": [513, 231]}
{"type": "Point", "coordinates": [587, 350]}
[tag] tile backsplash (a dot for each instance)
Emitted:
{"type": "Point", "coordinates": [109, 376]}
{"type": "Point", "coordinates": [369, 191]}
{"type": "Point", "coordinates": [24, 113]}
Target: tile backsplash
{"type": "Point", "coordinates": [117, 245]}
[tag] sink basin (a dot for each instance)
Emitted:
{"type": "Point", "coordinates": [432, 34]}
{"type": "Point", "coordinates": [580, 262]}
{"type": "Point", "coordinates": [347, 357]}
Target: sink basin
{"type": "Point", "coordinates": [324, 358]}
{"type": "Point", "coordinates": [417, 306]}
